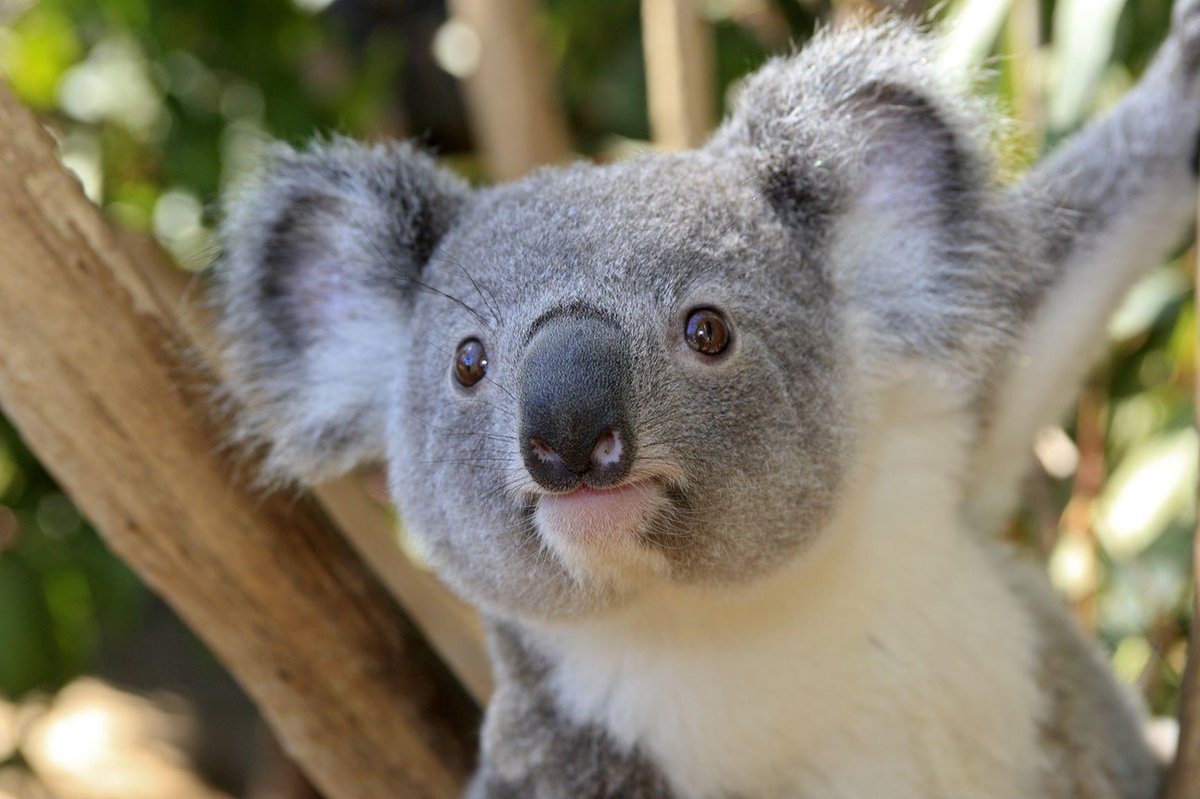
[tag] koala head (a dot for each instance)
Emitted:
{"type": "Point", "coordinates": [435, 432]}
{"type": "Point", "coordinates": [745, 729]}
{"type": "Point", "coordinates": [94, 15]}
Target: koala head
{"type": "Point", "coordinates": [601, 377]}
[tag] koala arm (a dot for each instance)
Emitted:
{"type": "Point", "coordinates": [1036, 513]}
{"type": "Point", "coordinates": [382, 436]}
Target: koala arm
{"type": "Point", "coordinates": [1104, 209]}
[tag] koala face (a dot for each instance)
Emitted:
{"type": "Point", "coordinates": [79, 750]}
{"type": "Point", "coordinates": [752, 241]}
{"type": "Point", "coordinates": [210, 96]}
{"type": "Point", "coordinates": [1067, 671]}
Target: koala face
{"type": "Point", "coordinates": [598, 378]}
{"type": "Point", "coordinates": [604, 447]}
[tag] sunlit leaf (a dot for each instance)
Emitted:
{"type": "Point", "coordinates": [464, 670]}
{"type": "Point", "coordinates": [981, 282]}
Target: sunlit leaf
{"type": "Point", "coordinates": [1131, 657]}
{"type": "Point", "coordinates": [1136, 419]}
{"type": "Point", "coordinates": [1153, 485]}
{"type": "Point", "coordinates": [35, 54]}
{"type": "Point", "coordinates": [113, 84]}
{"type": "Point", "coordinates": [1084, 31]}
{"type": "Point", "coordinates": [970, 32]}
{"type": "Point", "coordinates": [1146, 302]}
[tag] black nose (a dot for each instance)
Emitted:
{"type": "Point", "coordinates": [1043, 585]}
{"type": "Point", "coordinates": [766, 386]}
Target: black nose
{"type": "Point", "coordinates": [575, 425]}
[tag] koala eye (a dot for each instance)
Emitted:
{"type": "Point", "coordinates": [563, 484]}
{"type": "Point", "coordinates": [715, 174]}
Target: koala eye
{"type": "Point", "coordinates": [707, 331]}
{"type": "Point", "coordinates": [470, 362]}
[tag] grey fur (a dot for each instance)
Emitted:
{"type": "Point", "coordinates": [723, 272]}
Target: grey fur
{"type": "Point", "coordinates": [530, 750]}
{"type": "Point", "coordinates": [856, 106]}
{"type": "Point", "coordinates": [350, 274]}
{"type": "Point", "coordinates": [1084, 765]}
{"type": "Point", "coordinates": [624, 241]}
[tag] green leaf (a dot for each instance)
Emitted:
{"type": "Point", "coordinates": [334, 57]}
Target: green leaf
{"type": "Point", "coordinates": [29, 657]}
{"type": "Point", "coordinates": [1152, 487]}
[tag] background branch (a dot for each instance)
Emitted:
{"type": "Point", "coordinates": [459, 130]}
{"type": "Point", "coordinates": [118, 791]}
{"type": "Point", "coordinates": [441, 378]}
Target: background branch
{"type": "Point", "coordinates": [1185, 772]}
{"type": "Point", "coordinates": [515, 114]}
{"type": "Point", "coordinates": [677, 45]}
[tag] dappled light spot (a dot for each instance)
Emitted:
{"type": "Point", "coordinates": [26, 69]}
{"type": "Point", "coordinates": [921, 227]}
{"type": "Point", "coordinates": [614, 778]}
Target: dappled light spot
{"type": "Point", "coordinates": [93, 741]}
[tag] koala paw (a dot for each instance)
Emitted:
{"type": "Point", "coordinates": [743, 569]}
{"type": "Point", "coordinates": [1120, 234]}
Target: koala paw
{"type": "Point", "coordinates": [1186, 12]}
{"type": "Point", "coordinates": [1185, 26]}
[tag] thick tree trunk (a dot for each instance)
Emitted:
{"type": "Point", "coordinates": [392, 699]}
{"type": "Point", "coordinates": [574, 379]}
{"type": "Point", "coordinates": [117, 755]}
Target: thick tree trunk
{"type": "Point", "coordinates": [92, 373]}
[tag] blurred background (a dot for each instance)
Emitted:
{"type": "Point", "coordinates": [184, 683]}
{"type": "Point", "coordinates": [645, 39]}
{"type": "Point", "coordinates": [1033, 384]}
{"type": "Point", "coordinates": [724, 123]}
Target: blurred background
{"type": "Point", "coordinates": [158, 104]}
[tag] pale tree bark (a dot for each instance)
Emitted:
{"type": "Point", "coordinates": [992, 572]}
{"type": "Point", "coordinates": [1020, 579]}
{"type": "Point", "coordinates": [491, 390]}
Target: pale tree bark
{"type": "Point", "coordinates": [515, 114]}
{"type": "Point", "coordinates": [677, 46]}
{"type": "Point", "coordinates": [1024, 34]}
{"type": "Point", "coordinates": [92, 374]}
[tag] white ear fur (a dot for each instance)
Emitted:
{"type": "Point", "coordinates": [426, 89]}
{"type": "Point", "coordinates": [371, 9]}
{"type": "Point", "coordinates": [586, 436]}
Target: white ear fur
{"type": "Point", "coordinates": [919, 252]}
{"type": "Point", "coordinates": [888, 240]}
{"type": "Point", "coordinates": [871, 139]}
{"type": "Point", "coordinates": [322, 250]}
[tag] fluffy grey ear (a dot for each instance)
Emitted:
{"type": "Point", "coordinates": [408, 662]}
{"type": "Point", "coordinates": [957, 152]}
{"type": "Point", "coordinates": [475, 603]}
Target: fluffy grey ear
{"type": "Point", "coordinates": [321, 253]}
{"type": "Point", "coordinates": [871, 153]}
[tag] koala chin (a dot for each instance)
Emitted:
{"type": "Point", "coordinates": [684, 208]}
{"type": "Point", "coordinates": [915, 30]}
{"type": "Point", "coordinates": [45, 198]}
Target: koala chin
{"type": "Point", "coordinates": [718, 441]}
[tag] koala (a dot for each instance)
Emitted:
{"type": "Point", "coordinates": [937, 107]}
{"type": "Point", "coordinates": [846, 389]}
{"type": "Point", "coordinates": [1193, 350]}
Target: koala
{"type": "Point", "coordinates": [717, 441]}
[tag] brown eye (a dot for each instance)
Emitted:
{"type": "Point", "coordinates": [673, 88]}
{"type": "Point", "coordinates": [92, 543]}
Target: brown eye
{"type": "Point", "coordinates": [470, 362]}
{"type": "Point", "coordinates": [707, 331]}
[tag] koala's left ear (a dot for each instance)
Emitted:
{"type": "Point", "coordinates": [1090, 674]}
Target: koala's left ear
{"type": "Point", "coordinates": [864, 145]}
{"type": "Point", "coordinates": [321, 254]}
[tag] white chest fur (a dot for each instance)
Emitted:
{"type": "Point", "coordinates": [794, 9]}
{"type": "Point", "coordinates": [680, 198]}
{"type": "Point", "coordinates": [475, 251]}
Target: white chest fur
{"type": "Point", "coordinates": [890, 662]}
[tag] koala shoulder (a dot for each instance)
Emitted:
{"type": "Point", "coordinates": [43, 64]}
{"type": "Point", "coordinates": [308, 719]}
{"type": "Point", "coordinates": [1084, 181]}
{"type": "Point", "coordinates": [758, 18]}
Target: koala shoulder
{"type": "Point", "coordinates": [1082, 699]}
{"type": "Point", "coordinates": [532, 750]}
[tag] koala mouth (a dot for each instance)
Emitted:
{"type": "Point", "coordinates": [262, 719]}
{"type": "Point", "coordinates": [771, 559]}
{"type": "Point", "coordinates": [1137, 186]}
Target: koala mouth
{"type": "Point", "coordinates": [600, 532]}
{"type": "Point", "coordinates": [608, 513]}
{"type": "Point", "coordinates": [585, 491]}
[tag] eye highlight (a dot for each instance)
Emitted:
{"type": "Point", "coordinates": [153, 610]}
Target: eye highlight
{"type": "Point", "coordinates": [707, 331]}
{"type": "Point", "coordinates": [470, 362]}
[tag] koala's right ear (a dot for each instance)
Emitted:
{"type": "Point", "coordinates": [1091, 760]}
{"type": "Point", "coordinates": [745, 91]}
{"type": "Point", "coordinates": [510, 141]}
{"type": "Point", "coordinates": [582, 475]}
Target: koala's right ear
{"type": "Point", "coordinates": [321, 253]}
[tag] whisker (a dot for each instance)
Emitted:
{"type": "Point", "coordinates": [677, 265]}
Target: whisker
{"type": "Point", "coordinates": [399, 272]}
{"type": "Point", "coordinates": [492, 306]}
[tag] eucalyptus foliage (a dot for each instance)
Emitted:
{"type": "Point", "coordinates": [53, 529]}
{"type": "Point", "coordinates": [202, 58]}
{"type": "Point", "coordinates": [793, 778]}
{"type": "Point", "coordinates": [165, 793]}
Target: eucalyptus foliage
{"type": "Point", "coordinates": [158, 103]}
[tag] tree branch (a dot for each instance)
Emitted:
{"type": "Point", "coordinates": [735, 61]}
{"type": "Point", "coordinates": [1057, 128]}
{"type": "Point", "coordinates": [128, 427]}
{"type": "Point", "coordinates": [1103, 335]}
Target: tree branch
{"type": "Point", "coordinates": [91, 372]}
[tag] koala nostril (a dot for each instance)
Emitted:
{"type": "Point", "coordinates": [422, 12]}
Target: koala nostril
{"type": "Point", "coordinates": [550, 469]}
{"type": "Point", "coordinates": [611, 458]}
{"type": "Point", "coordinates": [605, 463]}
{"type": "Point", "coordinates": [544, 454]}
{"type": "Point", "coordinates": [608, 449]}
